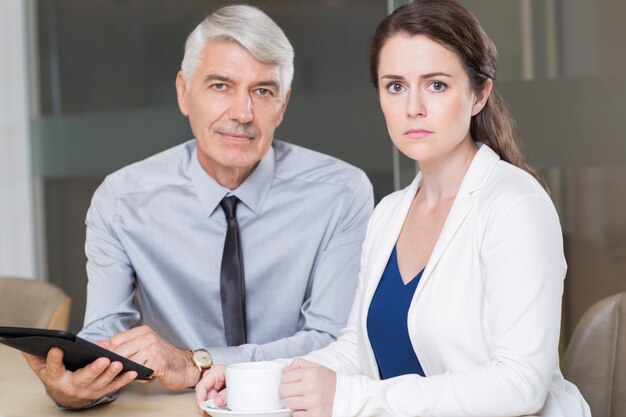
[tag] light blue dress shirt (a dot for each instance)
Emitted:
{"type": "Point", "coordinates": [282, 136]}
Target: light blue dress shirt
{"type": "Point", "coordinates": [155, 235]}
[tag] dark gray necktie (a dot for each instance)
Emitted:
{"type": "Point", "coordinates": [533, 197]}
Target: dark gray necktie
{"type": "Point", "coordinates": [232, 284]}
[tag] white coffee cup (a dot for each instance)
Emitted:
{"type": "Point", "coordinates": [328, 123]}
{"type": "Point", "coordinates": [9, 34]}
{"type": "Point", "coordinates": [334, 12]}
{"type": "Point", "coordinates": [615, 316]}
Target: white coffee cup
{"type": "Point", "coordinates": [253, 386]}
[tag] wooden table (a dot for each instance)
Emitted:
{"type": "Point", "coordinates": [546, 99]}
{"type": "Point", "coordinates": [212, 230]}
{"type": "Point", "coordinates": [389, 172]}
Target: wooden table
{"type": "Point", "coordinates": [23, 395]}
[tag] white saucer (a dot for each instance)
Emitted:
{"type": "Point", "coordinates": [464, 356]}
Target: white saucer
{"type": "Point", "coordinates": [212, 410]}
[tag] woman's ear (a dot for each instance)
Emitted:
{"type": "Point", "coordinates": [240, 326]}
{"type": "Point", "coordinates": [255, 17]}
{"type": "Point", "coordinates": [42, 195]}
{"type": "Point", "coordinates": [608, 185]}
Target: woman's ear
{"type": "Point", "coordinates": [482, 97]}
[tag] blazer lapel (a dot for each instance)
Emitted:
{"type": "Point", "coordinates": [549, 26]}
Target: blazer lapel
{"type": "Point", "coordinates": [481, 167]}
{"type": "Point", "coordinates": [386, 235]}
{"type": "Point", "coordinates": [458, 212]}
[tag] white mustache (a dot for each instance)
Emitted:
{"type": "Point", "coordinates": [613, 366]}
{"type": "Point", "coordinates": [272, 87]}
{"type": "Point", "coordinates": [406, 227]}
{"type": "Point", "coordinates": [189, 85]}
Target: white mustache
{"type": "Point", "coordinates": [238, 129]}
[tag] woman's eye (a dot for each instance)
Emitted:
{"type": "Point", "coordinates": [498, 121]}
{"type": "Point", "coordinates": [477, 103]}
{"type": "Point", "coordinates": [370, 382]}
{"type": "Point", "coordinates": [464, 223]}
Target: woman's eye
{"type": "Point", "coordinates": [437, 86]}
{"type": "Point", "coordinates": [395, 87]}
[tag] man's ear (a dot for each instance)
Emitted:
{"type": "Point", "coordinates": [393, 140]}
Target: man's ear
{"type": "Point", "coordinates": [482, 97]}
{"type": "Point", "coordinates": [181, 93]}
{"type": "Point", "coordinates": [284, 107]}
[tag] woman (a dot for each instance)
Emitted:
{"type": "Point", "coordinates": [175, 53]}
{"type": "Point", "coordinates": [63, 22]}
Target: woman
{"type": "Point", "coordinates": [458, 307]}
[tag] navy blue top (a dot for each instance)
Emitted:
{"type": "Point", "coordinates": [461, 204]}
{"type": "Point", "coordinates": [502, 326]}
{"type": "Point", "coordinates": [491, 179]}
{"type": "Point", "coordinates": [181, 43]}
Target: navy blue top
{"type": "Point", "coordinates": [387, 323]}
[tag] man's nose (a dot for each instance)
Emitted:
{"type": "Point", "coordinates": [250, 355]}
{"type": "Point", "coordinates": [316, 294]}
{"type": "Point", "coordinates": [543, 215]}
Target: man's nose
{"type": "Point", "coordinates": [241, 108]}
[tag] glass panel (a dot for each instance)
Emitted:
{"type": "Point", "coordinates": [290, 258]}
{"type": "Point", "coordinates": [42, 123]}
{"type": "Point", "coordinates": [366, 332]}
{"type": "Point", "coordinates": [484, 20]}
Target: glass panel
{"type": "Point", "coordinates": [107, 71]}
{"type": "Point", "coordinates": [564, 78]}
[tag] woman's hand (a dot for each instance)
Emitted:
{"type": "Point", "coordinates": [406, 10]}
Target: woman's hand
{"type": "Point", "coordinates": [212, 385]}
{"type": "Point", "coordinates": [308, 389]}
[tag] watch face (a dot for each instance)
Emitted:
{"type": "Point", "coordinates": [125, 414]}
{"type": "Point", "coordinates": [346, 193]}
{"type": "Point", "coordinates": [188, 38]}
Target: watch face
{"type": "Point", "coordinates": [203, 358]}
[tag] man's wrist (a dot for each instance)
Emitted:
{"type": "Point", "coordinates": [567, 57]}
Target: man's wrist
{"type": "Point", "coordinates": [198, 361]}
{"type": "Point", "coordinates": [193, 373]}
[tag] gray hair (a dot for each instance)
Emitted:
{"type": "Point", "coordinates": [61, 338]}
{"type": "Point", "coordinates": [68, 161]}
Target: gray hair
{"type": "Point", "coordinates": [252, 29]}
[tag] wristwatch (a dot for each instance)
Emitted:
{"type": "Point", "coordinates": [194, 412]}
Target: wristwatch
{"type": "Point", "coordinates": [202, 359]}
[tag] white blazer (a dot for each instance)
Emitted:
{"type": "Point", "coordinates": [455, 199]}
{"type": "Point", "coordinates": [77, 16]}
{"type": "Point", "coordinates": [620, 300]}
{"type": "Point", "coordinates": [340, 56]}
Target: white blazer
{"type": "Point", "coordinates": [485, 318]}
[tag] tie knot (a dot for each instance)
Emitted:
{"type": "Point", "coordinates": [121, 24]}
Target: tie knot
{"type": "Point", "coordinates": [229, 205]}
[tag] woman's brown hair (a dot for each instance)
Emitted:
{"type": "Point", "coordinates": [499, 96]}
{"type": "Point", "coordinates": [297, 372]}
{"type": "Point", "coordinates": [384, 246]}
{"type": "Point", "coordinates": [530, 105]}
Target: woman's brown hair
{"type": "Point", "coordinates": [456, 28]}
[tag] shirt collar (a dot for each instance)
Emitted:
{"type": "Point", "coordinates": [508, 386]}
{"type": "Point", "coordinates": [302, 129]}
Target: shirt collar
{"type": "Point", "coordinates": [252, 192]}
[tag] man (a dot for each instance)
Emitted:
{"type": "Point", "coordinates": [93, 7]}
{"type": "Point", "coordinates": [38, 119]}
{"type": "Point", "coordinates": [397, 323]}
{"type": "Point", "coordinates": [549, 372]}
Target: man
{"type": "Point", "coordinates": [239, 247]}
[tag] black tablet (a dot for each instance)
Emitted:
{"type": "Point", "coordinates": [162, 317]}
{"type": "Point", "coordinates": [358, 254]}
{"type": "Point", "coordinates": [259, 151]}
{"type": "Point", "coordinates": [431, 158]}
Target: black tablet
{"type": "Point", "coordinates": [77, 352]}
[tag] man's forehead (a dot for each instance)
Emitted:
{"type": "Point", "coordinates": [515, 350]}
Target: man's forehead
{"type": "Point", "coordinates": [229, 59]}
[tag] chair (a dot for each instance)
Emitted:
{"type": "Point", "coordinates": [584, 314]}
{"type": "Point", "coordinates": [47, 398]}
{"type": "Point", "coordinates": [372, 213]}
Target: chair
{"type": "Point", "coordinates": [595, 359]}
{"type": "Point", "coordinates": [31, 303]}
{"type": "Point", "coordinates": [587, 258]}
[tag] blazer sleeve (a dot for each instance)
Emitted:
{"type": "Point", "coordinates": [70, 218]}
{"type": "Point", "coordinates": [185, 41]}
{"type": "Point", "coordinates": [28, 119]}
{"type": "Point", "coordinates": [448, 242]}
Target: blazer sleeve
{"type": "Point", "coordinates": [523, 266]}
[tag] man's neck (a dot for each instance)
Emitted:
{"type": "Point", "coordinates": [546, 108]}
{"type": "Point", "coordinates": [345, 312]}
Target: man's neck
{"type": "Point", "coordinates": [229, 177]}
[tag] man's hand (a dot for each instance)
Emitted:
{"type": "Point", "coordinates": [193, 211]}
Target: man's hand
{"type": "Point", "coordinates": [173, 366]}
{"type": "Point", "coordinates": [78, 389]}
{"type": "Point", "coordinates": [308, 389]}
{"type": "Point", "coordinates": [211, 386]}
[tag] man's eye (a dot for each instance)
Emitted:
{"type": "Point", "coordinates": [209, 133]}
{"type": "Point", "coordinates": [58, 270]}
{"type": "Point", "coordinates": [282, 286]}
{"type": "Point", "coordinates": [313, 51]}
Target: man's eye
{"type": "Point", "coordinates": [218, 86]}
{"type": "Point", "coordinates": [264, 92]}
{"type": "Point", "coordinates": [395, 87]}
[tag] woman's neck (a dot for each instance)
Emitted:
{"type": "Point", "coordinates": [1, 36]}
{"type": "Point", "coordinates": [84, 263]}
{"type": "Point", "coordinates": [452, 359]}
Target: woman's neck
{"type": "Point", "coordinates": [441, 178]}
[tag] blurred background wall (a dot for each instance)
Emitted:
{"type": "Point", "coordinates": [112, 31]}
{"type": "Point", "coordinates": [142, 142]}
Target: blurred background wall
{"type": "Point", "coordinates": [90, 88]}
